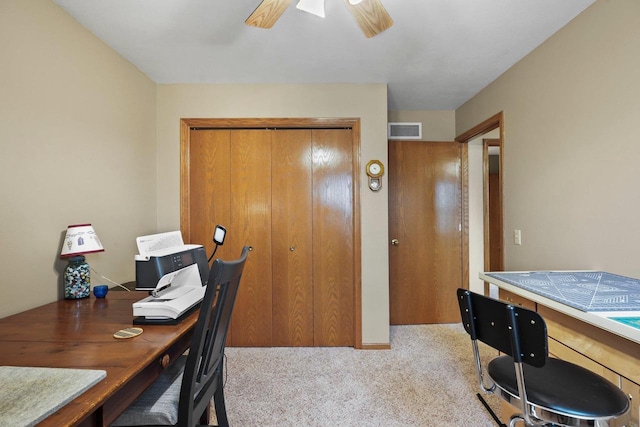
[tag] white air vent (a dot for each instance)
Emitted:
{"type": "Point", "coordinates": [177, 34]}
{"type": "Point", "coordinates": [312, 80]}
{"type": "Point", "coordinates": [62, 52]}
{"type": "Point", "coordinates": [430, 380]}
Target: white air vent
{"type": "Point", "coordinates": [404, 130]}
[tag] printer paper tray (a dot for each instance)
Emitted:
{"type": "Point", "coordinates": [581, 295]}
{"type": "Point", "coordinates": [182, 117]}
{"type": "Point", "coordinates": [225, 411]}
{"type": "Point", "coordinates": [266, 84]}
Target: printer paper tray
{"type": "Point", "coordinates": [141, 320]}
{"type": "Point", "coordinates": [154, 308]}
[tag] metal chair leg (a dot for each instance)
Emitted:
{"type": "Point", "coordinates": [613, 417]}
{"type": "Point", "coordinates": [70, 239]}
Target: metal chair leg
{"type": "Point", "coordinates": [514, 419]}
{"type": "Point", "coordinates": [517, 417]}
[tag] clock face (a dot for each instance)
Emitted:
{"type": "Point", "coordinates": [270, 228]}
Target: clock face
{"type": "Point", "coordinates": [374, 169]}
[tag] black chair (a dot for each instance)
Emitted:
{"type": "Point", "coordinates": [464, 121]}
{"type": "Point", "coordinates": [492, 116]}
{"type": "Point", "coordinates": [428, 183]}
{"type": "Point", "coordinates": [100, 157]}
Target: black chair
{"type": "Point", "coordinates": [183, 393]}
{"type": "Point", "coordinates": [547, 391]}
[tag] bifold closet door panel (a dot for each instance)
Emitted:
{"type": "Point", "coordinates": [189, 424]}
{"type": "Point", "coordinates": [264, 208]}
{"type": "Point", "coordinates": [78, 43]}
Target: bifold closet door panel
{"type": "Point", "coordinates": [291, 237]}
{"type": "Point", "coordinates": [209, 188]}
{"type": "Point", "coordinates": [250, 221]}
{"type": "Point", "coordinates": [333, 245]}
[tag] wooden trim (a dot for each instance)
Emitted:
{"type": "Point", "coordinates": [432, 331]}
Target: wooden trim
{"type": "Point", "coordinates": [357, 243]}
{"type": "Point", "coordinates": [501, 191]}
{"type": "Point", "coordinates": [493, 122]}
{"type": "Point", "coordinates": [185, 196]}
{"type": "Point", "coordinates": [485, 210]}
{"type": "Point", "coordinates": [375, 347]}
{"type": "Point", "coordinates": [464, 166]}
{"type": "Point", "coordinates": [249, 123]}
{"type": "Point", "coordinates": [186, 124]}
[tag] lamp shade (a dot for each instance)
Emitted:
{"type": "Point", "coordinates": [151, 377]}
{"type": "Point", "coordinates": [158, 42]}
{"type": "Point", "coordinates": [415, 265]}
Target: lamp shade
{"type": "Point", "coordinates": [80, 239]}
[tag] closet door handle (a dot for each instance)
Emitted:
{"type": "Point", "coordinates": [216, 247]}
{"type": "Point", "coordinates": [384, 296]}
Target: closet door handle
{"type": "Point", "coordinates": [292, 248]}
{"type": "Point", "coordinates": [395, 242]}
{"type": "Point", "coordinates": [250, 248]}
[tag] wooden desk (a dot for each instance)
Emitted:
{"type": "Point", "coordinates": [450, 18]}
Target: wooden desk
{"type": "Point", "coordinates": [79, 334]}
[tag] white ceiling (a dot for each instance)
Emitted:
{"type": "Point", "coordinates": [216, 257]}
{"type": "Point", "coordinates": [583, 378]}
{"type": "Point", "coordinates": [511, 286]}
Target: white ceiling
{"type": "Point", "coordinates": [437, 55]}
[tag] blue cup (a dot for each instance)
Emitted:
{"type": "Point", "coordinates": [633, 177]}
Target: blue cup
{"type": "Point", "coordinates": [100, 291]}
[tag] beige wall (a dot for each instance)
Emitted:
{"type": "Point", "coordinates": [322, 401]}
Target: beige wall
{"type": "Point", "coordinates": [571, 151]}
{"type": "Point", "coordinates": [437, 125]}
{"type": "Point", "coordinates": [78, 145]}
{"type": "Point", "coordinates": [367, 101]}
{"type": "Point", "coordinates": [67, 97]}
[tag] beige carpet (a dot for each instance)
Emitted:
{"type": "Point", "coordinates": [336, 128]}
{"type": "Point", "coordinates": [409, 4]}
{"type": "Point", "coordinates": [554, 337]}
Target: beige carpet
{"type": "Point", "coordinates": [427, 379]}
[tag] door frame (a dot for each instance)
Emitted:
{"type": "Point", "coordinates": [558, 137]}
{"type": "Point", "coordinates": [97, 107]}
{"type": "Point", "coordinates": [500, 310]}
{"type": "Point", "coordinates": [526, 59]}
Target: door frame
{"type": "Point", "coordinates": [487, 212]}
{"type": "Point", "coordinates": [187, 124]}
{"type": "Point", "coordinates": [494, 122]}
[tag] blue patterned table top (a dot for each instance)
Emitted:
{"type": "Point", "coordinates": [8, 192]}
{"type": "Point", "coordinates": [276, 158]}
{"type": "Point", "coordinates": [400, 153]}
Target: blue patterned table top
{"type": "Point", "coordinates": [583, 290]}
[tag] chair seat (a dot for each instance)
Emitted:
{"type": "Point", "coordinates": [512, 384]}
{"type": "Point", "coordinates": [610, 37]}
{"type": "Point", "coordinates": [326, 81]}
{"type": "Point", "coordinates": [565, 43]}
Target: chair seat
{"type": "Point", "coordinates": [158, 405]}
{"type": "Point", "coordinates": [562, 387]}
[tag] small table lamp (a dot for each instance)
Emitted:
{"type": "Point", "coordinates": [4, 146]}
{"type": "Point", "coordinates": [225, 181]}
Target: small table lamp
{"type": "Point", "coordinates": [80, 239]}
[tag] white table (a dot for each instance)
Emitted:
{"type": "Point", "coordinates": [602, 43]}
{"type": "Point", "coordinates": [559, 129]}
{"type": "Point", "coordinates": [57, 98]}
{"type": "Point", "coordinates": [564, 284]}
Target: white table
{"type": "Point", "coordinates": [516, 282]}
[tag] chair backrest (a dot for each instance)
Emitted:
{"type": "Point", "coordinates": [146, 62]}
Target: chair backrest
{"type": "Point", "coordinates": [517, 331]}
{"type": "Point", "coordinates": [204, 363]}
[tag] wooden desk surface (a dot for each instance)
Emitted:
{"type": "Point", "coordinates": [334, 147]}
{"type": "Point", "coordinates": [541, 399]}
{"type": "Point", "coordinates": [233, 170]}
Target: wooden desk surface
{"type": "Point", "coordinates": [79, 334]}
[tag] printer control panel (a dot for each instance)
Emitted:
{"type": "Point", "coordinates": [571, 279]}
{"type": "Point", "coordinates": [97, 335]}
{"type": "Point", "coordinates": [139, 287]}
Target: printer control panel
{"type": "Point", "coordinates": [183, 259]}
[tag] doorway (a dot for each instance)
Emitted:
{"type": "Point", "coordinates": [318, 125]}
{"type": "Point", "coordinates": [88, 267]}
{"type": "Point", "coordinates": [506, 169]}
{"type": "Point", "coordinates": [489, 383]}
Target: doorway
{"type": "Point", "coordinates": [492, 179]}
{"type": "Point", "coordinates": [487, 219]}
{"type": "Point", "coordinates": [425, 231]}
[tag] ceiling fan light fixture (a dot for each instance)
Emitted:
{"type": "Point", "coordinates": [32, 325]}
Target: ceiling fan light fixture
{"type": "Point", "coordinates": [354, 2]}
{"type": "Point", "coordinates": [314, 7]}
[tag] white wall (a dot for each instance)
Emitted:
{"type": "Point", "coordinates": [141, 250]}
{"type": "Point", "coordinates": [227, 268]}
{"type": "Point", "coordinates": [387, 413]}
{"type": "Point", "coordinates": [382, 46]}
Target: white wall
{"type": "Point", "coordinates": [78, 145]}
{"type": "Point", "coordinates": [571, 111]}
{"type": "Point", "coordinates": [367, 101]}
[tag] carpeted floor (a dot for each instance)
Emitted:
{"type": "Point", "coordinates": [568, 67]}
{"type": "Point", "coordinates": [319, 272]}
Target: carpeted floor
{"type": "Point", "coordinates": [427, 379]}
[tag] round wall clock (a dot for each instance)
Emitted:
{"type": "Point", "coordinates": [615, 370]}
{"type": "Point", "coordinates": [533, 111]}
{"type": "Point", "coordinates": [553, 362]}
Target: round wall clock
{"type": "Point", "coordinates": [375, 169]}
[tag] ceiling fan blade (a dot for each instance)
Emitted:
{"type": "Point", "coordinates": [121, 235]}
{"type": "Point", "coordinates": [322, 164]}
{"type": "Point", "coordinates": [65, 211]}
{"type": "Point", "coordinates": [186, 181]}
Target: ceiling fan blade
{"type": "Point", "coordinates": [371, 16]}
{"type": "Point", "coordinates": [267, 13]}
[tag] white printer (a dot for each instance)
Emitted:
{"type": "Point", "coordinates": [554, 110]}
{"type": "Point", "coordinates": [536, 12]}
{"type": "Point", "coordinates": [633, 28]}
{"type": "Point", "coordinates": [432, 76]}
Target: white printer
{"type": "Point", "coordinates": [164, 253]}
{"type": "Point", "coordinates": [175, 274]}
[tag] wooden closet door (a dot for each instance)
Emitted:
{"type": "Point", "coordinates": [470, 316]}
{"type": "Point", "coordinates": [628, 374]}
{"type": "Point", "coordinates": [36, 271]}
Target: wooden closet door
{"type": "Point", "coordinates": [291, 240]}
{"type": "Point", "coordinates": [210, 185]}
{"type": "Point", "coordinates": [333, 266]}
{"type": "Point", "coordinates": [289, 195]}
{"type": "Point", "coordinates": [250, 221]}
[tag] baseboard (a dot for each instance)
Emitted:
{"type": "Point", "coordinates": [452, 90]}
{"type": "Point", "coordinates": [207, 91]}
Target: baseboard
{"type": "Point", "coordinates": [376, 347]}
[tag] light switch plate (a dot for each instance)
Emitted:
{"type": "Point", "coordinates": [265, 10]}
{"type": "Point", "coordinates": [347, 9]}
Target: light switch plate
{"type": "Point", "coordinates": [517, 237]}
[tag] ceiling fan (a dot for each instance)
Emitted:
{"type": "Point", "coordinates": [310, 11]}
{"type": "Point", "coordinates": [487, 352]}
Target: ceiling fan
{"type": "Point", "coordinates": [370, 14]}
